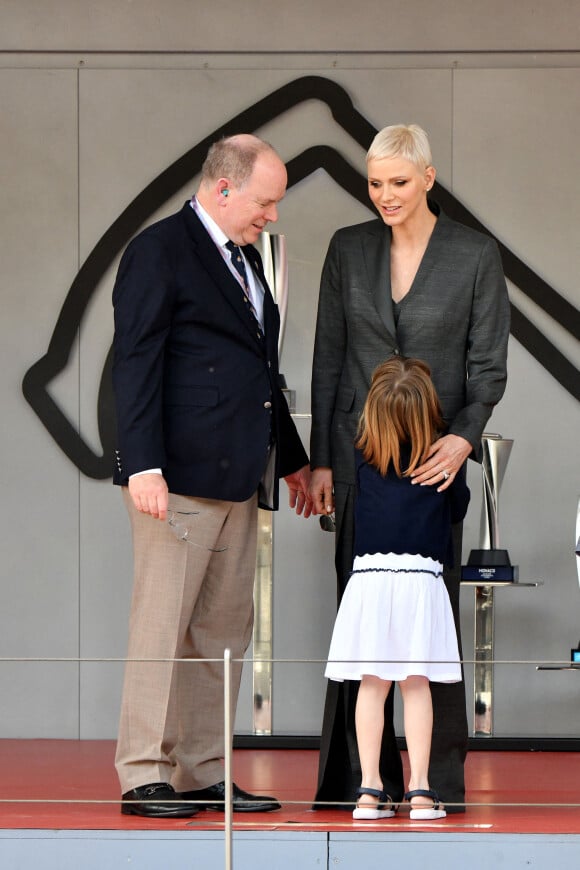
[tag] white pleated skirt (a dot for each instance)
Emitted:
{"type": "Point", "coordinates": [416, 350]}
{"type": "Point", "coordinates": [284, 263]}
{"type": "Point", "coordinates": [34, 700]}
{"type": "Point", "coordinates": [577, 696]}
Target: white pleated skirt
{"type": "Point", "coordinates": [394, 621]}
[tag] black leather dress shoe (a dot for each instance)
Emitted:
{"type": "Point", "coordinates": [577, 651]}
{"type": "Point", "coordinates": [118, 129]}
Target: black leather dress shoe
{"type": "Point", "coordinates": [213, 798]}
{"type": "Point", "coordinates": [157, 800]}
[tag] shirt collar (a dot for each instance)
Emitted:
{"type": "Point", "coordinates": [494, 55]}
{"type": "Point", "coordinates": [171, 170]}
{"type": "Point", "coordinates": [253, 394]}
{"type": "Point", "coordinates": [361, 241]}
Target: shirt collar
{"type": "Point", "coordinates": [213, 229]}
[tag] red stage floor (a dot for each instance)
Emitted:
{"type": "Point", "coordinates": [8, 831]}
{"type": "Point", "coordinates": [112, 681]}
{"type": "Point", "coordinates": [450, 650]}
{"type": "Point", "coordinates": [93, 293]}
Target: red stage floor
{"type": "Point", "coordinates": [72, 785]}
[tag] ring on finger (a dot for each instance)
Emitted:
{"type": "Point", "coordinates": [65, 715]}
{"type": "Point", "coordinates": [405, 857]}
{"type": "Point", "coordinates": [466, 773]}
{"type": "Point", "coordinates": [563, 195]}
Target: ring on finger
{"type": "Point", "coordinates": [446, 475]}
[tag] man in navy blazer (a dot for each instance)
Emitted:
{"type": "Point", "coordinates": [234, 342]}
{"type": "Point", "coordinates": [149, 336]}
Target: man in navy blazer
{"type": "Point", "coordinates": [204, 434]}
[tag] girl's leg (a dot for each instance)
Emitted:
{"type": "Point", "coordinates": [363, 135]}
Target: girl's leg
{"type": "Point", "coordinates": [369, 719]}
{"type": "Point", "coordinates": [418, 720]}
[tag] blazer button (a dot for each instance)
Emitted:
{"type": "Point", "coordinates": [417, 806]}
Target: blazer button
{"type": "Point", "coordinates": [267, 404]}
{"type": "Point", "coordinates": [396, 351]}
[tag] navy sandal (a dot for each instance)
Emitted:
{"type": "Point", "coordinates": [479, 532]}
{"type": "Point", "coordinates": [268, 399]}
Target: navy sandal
{"type": "Point", "coordinates": [371, 812]}
{"type": "Point", "coordinates": [425, 813]}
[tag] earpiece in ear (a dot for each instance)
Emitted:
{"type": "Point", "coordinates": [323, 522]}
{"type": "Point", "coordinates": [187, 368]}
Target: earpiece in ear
{"type": "Point", "coordinates": [225, 191]}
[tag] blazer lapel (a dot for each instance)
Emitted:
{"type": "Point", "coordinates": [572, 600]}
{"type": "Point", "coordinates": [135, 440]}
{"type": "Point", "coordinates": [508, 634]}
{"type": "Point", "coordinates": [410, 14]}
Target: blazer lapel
{"type": "Point", "coordinates": [219, 271]}
{"type": "Point", "coordinates": [436, 253]}
{"type": "Point", "coordinates": [376, 252]}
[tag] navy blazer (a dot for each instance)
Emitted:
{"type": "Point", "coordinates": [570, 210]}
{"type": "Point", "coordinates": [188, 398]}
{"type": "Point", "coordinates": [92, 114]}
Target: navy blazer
{"type": "Point", "coordinates": [196, 382]}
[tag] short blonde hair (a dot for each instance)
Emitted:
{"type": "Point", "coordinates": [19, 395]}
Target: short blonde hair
{"type": "Point", "coordinates": [402, 406]}
{"type": "Point", "coordinates": [402, 140]}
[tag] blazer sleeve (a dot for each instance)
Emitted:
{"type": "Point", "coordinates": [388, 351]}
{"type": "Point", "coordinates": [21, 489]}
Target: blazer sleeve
{"type": "Point", "coordinates": [487, 344]}
{"type": "Point", "coordinates": [328, 358]}
{"type": "Point", "coordinates": [142, 313]}
{"type": "Point", "coordinates": [292, 455]}
{"type": "Point", "coordinates": [459, 497]}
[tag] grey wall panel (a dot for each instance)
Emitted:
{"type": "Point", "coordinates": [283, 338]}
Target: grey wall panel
{"type": "Point", "coordinates": [515, 166]}
{"type": "Point", "coordinates": [538, 515]}
{"type": "Point", "coordinates": [303, 25]}
{"type": "Point", "coordinates": [39, 528]}
{"type": "Point", "coordinates": [66, 550]}
{"type": "Point", "coordinates": [104, 592]}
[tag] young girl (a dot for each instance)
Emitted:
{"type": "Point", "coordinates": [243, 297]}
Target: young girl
{"type": "Point", "coordinates": [395, 621]}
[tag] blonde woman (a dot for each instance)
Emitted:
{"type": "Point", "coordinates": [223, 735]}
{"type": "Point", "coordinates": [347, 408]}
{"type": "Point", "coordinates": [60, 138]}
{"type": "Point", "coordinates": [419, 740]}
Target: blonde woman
{"type": "Point", "coordinates": [416, 283]}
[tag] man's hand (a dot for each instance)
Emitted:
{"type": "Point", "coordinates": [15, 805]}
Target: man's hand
{"type": "Point", "coordinates": [299, 496]}
{"type": "Point", "coordinates": [150, 494]}
{"type": "Point", "coordinates": [446, 456]}
{"type": "Point", "coordinates": [321, 491]}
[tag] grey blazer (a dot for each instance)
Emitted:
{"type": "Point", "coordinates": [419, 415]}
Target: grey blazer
{"type": "Point", "coordinates": [456, 317]}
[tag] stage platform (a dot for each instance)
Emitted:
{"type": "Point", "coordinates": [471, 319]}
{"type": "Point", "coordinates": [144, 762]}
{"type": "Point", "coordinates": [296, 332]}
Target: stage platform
{"type": "Point", "coordinates": [59, 810]}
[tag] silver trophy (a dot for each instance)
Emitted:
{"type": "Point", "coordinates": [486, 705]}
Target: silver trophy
{"type": "Point", "coordinates": [491, 562]}
{"type": "Point", "coordinates": [275, 261]}
{"type": "Point", "coordinates": [272, 249]}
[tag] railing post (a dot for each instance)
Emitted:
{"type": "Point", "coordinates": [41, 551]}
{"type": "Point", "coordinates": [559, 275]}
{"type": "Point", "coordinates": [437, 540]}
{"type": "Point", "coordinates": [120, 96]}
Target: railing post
{"type": "Point", "coordinates": [228, 778]}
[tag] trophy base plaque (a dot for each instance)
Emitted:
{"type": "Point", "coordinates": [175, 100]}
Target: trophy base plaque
{"type": "Point", "coordinates": [489, 565]}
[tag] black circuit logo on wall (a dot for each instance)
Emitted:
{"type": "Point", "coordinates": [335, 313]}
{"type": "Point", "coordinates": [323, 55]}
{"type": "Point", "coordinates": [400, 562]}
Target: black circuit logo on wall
{"type": "Point", "coordinates": [168, 183]}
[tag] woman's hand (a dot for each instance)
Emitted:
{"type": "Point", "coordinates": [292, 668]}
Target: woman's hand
{"type": "Point", "coordinates": [321, 491]}
{"type": "Point", "coordinates": [446, 456]}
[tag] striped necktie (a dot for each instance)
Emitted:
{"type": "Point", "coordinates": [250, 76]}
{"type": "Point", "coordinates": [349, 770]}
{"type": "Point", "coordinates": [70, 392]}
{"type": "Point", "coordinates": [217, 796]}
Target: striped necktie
{"type": "Point", "coordinates": [240, 267]}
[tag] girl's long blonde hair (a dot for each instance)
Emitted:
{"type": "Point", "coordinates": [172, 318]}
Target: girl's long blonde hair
{"type": "Point", "coordinates": [402, 407]}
